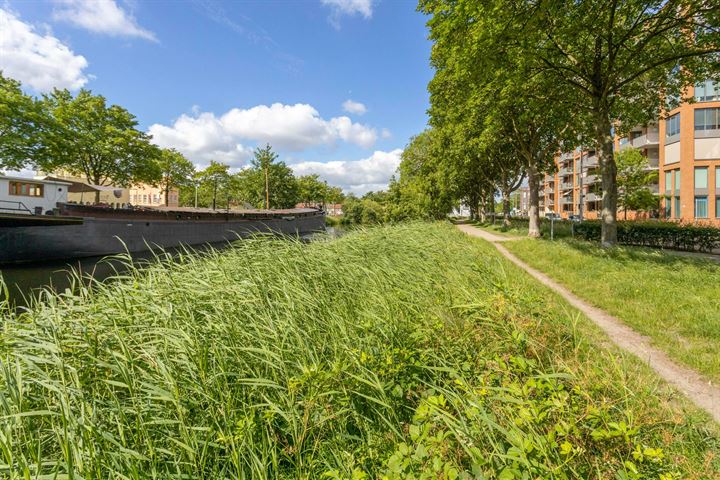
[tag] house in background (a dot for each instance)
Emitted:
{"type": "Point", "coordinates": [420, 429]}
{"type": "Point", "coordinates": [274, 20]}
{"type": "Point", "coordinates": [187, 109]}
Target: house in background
{"type": "Point", "coordinates": [83, 192]}
{"type": "Point", "coordinates": [141, 195]}
{"type": "Point", "coordinates": [149, 196]}
{"type": "Point", "coordinates": [332, 209]}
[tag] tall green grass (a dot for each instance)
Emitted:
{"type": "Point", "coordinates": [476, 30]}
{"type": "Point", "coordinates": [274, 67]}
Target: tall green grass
{"type": "Point", "coordinates": [397, 352]}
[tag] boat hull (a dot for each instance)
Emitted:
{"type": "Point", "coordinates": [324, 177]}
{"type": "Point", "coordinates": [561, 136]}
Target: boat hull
{"type": "Point", "coordinates": [108, 236]}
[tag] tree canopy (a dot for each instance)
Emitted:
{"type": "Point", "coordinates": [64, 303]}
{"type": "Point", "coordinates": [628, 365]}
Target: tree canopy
{"type": "Point", "coordinates": [23, 125]}
{"type": "Point", "coordinates": [551, 74]}
{"type": "Point", "coordinates": [176, 170]}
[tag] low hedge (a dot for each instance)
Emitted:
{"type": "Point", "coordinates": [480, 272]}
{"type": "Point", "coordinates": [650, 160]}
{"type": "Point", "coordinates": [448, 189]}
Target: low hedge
{"type": "Point", "coordinates": [657, 234]}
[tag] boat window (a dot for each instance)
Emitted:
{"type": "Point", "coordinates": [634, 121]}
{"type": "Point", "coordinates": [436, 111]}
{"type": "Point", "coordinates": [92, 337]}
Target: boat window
{"type": "Point", "coordinates": [27, 189]}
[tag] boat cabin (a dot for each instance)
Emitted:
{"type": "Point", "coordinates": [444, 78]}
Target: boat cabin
{"type": "Point", "coordinates": [31, 196]}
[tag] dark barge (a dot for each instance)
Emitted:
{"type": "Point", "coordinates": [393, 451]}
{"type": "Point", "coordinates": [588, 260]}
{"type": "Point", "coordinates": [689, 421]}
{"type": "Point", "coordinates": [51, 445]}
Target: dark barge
{"type": "Point", "coordinates": [76, 231]}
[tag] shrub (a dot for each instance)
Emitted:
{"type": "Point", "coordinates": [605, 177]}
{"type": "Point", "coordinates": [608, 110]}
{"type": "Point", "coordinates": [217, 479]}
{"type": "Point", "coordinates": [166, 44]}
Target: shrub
{"type": "Point", "coordinates": [657, 234]}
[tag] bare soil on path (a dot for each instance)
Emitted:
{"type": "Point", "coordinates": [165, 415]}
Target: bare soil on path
{"type": "Point", "coordinates": [693, 385]}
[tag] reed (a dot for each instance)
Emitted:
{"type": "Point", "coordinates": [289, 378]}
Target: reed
{"type": "Point", "coordinates": [405, 351]}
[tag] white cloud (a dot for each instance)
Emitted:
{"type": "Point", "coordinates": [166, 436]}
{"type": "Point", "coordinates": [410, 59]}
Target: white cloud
{"type": "Point", "coordinates": [385, 133]}
{"type": "Point", "coordinates": [201, 138]}
{"type": "Point", "coordinates": [355, 176]}
{"type": "Point", "coordinates": [205, 136]}
{"type": "Point", "coordinates": [40, 61]}
{"type": "Point", "coordinates": [100, 16]}
{"type": "Point", "coordinates": [356, 108]}
{"type": "Point", "coordinates": [339, 8]}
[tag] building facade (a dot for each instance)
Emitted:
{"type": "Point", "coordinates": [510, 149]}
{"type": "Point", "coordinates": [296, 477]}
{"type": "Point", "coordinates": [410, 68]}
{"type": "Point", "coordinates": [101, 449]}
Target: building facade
{"type": "Point", "coordinates": [684, 148]}
{"type": "Point", "coordinates": [149, 196]}
{"type": "Point", "coordinates": [690, 158]}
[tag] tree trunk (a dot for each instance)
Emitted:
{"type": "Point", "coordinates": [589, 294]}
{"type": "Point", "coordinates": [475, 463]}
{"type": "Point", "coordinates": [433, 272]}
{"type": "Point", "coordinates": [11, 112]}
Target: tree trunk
{"type": "Point", "coordinates": [533, 201]}
{"type": "Point", "coordinates": [214, 195]}
{"type": "Point", "coordinates": [506, 208]}
{"type": "Point", "coordinates": [167, 194]}
{"type": "Point", "coordinates": [481, 209]}
{"type": "Point", "coordinates": [606, 158]}
{"type": "Point", "coordinates": [97, 196]}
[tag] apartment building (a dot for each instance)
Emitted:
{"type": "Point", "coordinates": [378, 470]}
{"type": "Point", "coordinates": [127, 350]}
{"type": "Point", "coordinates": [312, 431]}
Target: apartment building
{"type": "Point", "coordinates": [690, 158]}
{"type": "Point", "coordinates": [685, 150]}
{"type": "Point", "coordinates": [575, 187]}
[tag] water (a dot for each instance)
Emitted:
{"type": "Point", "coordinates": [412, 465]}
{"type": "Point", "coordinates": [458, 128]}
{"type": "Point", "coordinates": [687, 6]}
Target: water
{"type": "Point", "coordinates": [27, 281]}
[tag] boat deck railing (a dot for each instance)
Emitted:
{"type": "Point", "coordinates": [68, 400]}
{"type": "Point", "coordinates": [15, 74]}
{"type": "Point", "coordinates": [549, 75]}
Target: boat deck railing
{"type": "Point", "coordinates": [17, 207]}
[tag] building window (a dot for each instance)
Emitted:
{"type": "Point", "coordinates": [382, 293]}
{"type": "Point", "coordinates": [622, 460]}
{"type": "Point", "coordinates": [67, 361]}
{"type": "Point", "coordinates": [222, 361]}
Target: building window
{"type": "Point", "coordinates": [676, 207]}
{"type": "Point", "coordinates": [668, 208]}
{"type": "Point", "coordinates": [717, 205]}
{"type": "Point", "coordinates": [707, 119]}
{"type": "Point", "coordinates": [707, 91]}
{"type": "Point", "coordinates": [701, 205]}
{"type": "Point", "coordinates": [717, 181]}
{"type": "Point", "coordinates": [668, 181]}
{"type": "Point", "coordinates": [672, 125]}
{"type": "Point", "coordinates": [677, 180]}
{"type": "Point", "coordinates": [25, 189]}
{"type": "Point", "coordinates": [701, 177]}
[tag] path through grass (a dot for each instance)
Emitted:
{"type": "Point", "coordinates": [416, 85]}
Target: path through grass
{"type": "Point", "coordinates": [398, 352]}
{"type": "Point", "coordinates": [675, 300]}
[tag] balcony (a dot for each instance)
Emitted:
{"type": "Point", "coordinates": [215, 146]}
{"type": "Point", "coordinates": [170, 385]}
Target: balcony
{"type": "Point", "coordinates": [566, 185]}
{"type": "Point", "coordinates": [590, 161]}
{"type": "Point", "coordinates": [566, 200]}
{"type": "Point", "coordinates": [592, 197]}
{"type": "Point", "coordinates": [590, 179]}
{"type": "Point", "coordinates": [567, 156]}
{"type": "Point", "coordinates": [566, 171]}
{"type": "Point", "coordinates": [647, 140]}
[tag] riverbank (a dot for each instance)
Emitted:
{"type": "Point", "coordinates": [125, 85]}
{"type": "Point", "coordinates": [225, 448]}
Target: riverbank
{"type": "Point", "coordinates": [390, 351]}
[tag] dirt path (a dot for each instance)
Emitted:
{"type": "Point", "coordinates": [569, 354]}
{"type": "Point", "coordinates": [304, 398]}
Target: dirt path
{"type": "Point", "coordinates": [696, 388]}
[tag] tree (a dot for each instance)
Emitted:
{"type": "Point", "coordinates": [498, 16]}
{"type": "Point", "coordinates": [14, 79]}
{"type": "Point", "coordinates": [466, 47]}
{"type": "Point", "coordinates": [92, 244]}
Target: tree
{"type": "Point", "coordinates": [177, 171]}
{"type": "Point", "coordinates": [269, 183]}
{"type": "Point", "coordinates": [615, 61]}
{"type": "Point", "coordinates": [98, 142]}
{"type": "Point", "coordinates": [312, 190]}
{"type": "Point", "coordinates": [23, 124]}
{"type": "Point", "coordinates": [215, 179]}
{"type": "Point", "coordinates": [422, 189]}
{"type": "Point", "coordinates": [264, 157]}
{"type": "Point", "coordinates": [634, 179]}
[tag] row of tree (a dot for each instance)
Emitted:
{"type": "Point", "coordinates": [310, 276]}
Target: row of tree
{"type": "Point", "coordinates": [516, 82]}
{"type": "Point", "coordinates": [267, 183]}
{"type": "Point", "coordinates": [84, 136]}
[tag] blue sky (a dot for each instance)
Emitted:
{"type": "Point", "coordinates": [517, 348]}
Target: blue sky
{"type": "Point", "coordinates": [337, 86]}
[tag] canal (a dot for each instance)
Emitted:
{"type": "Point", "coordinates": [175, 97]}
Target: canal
{"type": "Point", "coordinates": [24, 282]}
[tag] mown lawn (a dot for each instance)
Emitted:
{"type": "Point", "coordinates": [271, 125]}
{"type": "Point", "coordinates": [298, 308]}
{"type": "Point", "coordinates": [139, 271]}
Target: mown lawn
{"type": "Point", "coordinates": [401, 352]}
{"type": "Point", "coordinates": [675, 300]}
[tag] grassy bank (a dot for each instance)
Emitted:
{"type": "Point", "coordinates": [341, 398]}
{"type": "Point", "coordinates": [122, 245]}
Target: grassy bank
{"type": "Point", "coordinates": [675, 300]}
{"type": "Point", "coordinates": [399, 352]}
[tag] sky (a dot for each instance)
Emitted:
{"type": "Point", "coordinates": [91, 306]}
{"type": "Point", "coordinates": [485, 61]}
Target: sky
{"type": "Point", "coordinates": [337, 87]}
